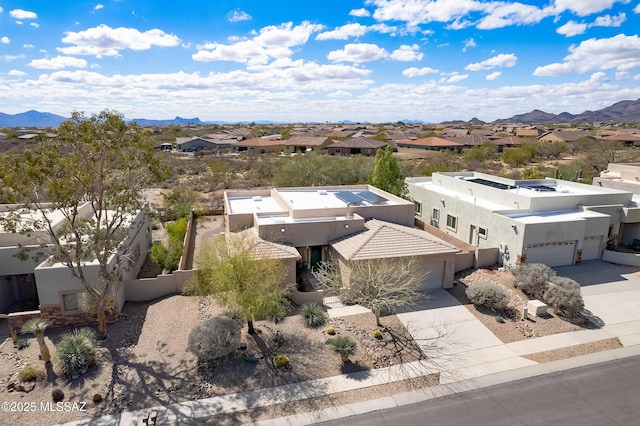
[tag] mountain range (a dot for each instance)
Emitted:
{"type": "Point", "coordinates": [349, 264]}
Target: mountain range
{"type": "Point", "coordinates": [620, 112]}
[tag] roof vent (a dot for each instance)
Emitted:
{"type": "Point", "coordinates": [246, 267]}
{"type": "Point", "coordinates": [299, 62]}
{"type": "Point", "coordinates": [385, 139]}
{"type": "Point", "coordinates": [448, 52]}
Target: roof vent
{"type": "Point", "coordinates": [257, 198]}
{"type": "Point", "coordinates": [322, 192]}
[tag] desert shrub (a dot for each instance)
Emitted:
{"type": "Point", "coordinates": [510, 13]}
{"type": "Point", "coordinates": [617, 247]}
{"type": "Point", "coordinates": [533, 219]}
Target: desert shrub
{"type": "Point", "coordinates": [57, 395]}
{"type": "Point", "coordinates": [97, 398]}
{"type": "Point", "coordinates": [313, 315]}
{"type": "Point", "coordinates": [343, 346]}
{"type": "Point", "coordinates": [76, 351]}
{"type": "Point", "coordinates": [488, 294]}
{"type": "Point", "coordinates": [533, 279]}
{"type": "Point", "coordinates": [30, 373]}
{"type": "Point", "coordinates": [214, 338]}
{"type": "Point", "coordinates": [281, 362]}
{"type": "Point", "coordinates": [377, 334]}
{"type": "Point", "coordinates": [331, 330]}
{"type": "Point", "coordinates": [564, 295]}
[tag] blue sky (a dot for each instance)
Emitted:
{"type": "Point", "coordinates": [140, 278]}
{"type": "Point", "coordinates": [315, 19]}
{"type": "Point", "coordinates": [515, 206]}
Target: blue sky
{"type": "Point", "coordinates": [330, 60]}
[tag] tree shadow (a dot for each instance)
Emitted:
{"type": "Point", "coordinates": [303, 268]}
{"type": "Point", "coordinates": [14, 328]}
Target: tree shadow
{"type": "Point", "coordinates": [355, 370]}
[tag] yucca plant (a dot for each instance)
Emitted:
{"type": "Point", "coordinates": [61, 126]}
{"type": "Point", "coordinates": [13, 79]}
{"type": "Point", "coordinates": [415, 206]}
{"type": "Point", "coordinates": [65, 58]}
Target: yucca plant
{"type": "Point", "coordinates": [37, 326]}
{"type": "Point", "coordinates": [312, 314]}
{"type": "Point", "coordinates": [76, 351]}
{"type": "Point", "coordinates": [343, 346]}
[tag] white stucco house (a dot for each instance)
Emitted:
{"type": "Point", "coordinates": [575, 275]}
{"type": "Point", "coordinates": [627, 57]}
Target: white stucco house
{"type": "Point", "coordinates": [550, 221]}
{"type": "Point", "coordinates": [58, 292]}
{"type": "Point", "coordinates": [346, 223]}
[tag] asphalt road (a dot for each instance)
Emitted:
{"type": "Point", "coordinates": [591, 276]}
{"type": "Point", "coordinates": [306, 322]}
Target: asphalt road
{"type": "Point", "coordinates": [597, 395]}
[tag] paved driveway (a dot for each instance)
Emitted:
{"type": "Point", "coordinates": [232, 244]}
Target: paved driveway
{"type": "Point", "coordinates": [456, 343]}
{"type": "Point", "coordinates": [612, 294]}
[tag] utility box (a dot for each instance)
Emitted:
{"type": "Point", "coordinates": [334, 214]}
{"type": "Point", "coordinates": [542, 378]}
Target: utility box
{"type": "Point", "coordinates": [536, 307]}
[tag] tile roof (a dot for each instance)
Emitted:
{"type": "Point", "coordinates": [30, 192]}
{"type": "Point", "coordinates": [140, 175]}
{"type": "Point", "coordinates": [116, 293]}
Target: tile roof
{"type": "Point", "coordinates": [307, 141]}
{"type": "Point", "coordinates": [263, 249]}
{"type": "Point", "coordinates": [259, 142]}
{"type": "Point", "coordinates": [430, 141]}
{"type": "Point", "coordinates": [359, 143]}
{"type": "Point", "coordinates": [385, 240]}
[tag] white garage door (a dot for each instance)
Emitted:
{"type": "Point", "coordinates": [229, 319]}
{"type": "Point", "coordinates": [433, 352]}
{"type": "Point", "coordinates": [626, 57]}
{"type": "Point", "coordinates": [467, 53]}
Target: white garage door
{"type": "Point", "coordinates": [591, 247]}
{"type": "Point", "coordinates": [551, 254]}
{"type": "Point", "coordinates": [436, 273]}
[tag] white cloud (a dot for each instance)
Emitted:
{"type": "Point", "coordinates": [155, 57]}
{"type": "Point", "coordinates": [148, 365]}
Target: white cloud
{"type": "Point", "coordinates": [58, 62]}
{"type": "Point", "coordinates": [343, 32]}
{"type": "Point", "coordinates": [455, 78]}
{"type": "Point", "coordinates": [358, 52]}
{"type": "Point", "coordinates": [571, 29]}
{"type": "Point", "coordinates": [34, 24]}
{"type": "Point", "coordinates": [238, 15]}
{"type": "Point", "coordinates": [621, 52]}
{"type": "Point", "coordinates": [270, 43]}
{"type": "Point", "coordinates": [585, 7]}
{"type": "Point", "coordinates": [501, 60]}
{"type": "Point", "coordinates": [417, 72]}
{"type": "Point", "coordinates": [17, 73]}
{"type": "Point", "coordinates": [98, 6]}
{"type": "Point", "coordinates": [28, 46]}
{"type": "Point", "coordinates": [407, 53]}
{"type": "Point", "coordinates": [106, 41]}
{"type": "Point", "coordinates": [609, 21]}
{"type": "Point", "coordinates": [339, 94]}
{"type": "Point", "coordinates": [360, 13]}
{"type": "Point", "coordinates": [468, 43]}
{"type": "Point", "coordinates": [494, 75]}
{"type": "Point", "coordinates": [23, 14]}
{"type": "Point", "coordinates": [5, 40]}
{"type": "Point", "coordinates": [9, 58]}
{"type": "Point", "coordinates": [504, 14]}
{"type": "Point", "coordinates": [637, 8]}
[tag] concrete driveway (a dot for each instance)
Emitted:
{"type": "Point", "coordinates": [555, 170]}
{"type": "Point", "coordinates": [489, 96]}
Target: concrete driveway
{"type": "Point", "coordinates": [612, 294]}
{"type": "Point", "coordinates": [456, 343]}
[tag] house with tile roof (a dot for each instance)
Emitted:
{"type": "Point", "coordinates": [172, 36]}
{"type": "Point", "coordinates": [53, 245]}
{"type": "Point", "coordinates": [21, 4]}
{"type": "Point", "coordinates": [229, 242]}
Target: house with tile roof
{"type": "Point", "coordinates": [431, 143]}
{"type": "Point", "coordinates": [356, 146]}
{"type": "Point", "coordinates": [260, 145]}
{"type": "Point", "coordinates": [303, 144]}
{"type": "Point", "coordinates": [348, 223]}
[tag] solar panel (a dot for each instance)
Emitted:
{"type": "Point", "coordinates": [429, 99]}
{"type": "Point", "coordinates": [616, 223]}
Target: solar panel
{"type": "Point", "coordinates": [371, 197]}
{"type": "Point", "coordinates": [348, 197]}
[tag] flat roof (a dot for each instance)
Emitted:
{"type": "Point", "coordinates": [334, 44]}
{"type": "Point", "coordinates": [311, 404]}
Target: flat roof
{"type": "Point", "coordinates": [308, 199]}
{"type": "Point", "coordinates": [555, 216]}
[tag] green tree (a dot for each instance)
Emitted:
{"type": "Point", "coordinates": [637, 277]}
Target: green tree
{"type": "Point", "coordinates": [231, 269]}
{"type": "Point", "coordinates": [386, 173]}
{"type": "Point", "coordinates": [168, 256]}
{"type": "Point", "coordinates": [378, 284]}
{"type": "Point", "coordinates": [98, 159]}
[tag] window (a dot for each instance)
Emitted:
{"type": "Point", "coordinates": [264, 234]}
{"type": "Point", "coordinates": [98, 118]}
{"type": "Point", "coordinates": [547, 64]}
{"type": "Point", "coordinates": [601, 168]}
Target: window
{"type": "Point", "coordinates": [418, 208]}
{"type": "Point", "coordinates": [435, 215]}
{"type": "Point", "coordinates": [70, 302]}
{"type": "Point", "coordinates": [452, 222]}
{"type": "Point", "coordinates": [482, 233]}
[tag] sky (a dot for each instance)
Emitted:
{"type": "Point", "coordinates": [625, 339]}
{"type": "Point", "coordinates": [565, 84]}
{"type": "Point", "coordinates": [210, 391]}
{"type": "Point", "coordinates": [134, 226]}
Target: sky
{"type": "Point", "coordinates": [318, 61]}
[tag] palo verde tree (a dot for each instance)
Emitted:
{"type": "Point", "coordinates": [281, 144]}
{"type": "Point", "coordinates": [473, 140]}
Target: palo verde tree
{"type": "Point", "coordinates": [99, 161]}
{"type": "Point", "coordinates": [386, 173]}
{"type": "Point", "coordinates": [378, 284]}
{"type": "Point", "coordinates": [232, 270]}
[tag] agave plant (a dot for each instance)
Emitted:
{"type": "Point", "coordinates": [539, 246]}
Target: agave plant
{"type": "Point", "coordinates": [344, 346]}
{"type": "Point", "coordinates": [76, 351]}
{"type": "Point", "coordinates": [37, 326]}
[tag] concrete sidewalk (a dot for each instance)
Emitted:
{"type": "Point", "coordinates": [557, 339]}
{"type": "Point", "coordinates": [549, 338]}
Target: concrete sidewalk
{"type": "Point", "coordinates": [458, 346]}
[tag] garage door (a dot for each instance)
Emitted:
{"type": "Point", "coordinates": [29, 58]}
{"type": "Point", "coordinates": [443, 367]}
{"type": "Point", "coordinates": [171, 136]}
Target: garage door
{"type": "Point", "coordinates": [591, 247]}
{"type": "Point", "coordinates": [436, 272]}
{"type": "Point", "coordinates": [551, 254]}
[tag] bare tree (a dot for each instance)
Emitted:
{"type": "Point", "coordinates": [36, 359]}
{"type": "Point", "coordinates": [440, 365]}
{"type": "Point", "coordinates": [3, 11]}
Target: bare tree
{"type": "Point", "coordinates": [378, 284]}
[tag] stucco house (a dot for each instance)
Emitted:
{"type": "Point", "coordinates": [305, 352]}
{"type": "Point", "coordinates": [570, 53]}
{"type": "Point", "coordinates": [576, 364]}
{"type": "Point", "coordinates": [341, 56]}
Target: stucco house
{"type": "Point", "coordinates": [550, 221]}
{"type": "Point", "coordinates": [58, 292]}
{"type": "Point", "coordinates": [431, 143]}
{"type": "Point", "coordinates": [356, 146]}
{"type": "Point", "coordinates": [303, 144]}
{"type": "Point", "coordinates": [197, 143]}
{"type": "Point", "coordinates": [349, 223]}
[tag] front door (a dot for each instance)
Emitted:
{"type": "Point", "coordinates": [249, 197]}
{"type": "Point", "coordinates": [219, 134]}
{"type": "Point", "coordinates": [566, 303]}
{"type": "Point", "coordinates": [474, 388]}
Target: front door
{"type": "Point", "coordinates": [316, 256]}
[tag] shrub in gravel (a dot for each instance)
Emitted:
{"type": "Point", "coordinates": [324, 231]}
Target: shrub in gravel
{"type": "Point", "coordinates": [97, 398]}
{"type": "Point", "coordinates": [343, 346]}
{"type": "Point", "coordinates": [331, 330]}
{"type": "Point", "coordinates": [30, 373]}
{"type": "Point", "coordinates": [488, 294]}
{"type": "Point", "coordinates": [281, 362]}
{"type": "Point", "coordinates": [313, 315]}
{"type": "Point", "coordinates": [564, 295]}
{"type": "Point", "coordinates": [533, 279]}
{"type": "Point", "coordinates": [377, 334]}
{"type": "Point", "coordinates": [214, 338]}
{"type": "Point", "coordinates": [76, 351]}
